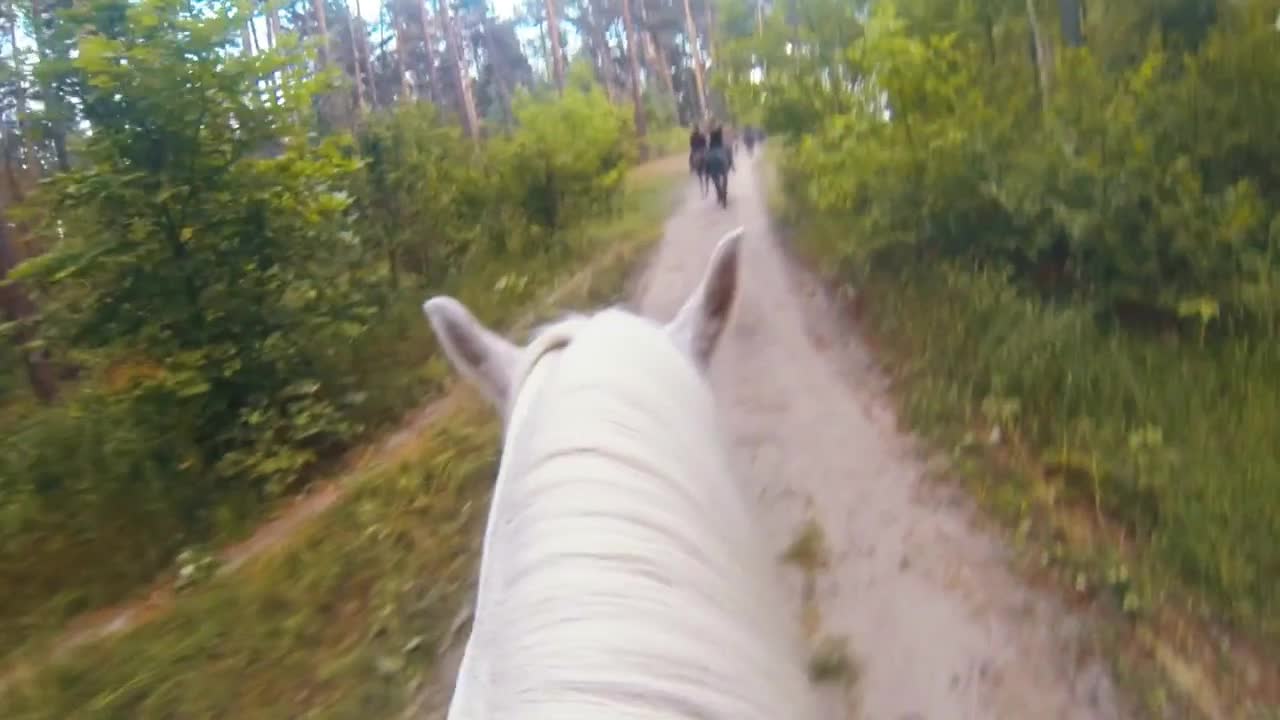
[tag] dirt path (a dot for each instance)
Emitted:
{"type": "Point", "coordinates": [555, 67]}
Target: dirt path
{"type": "Point", "coordinates": [938, 627]}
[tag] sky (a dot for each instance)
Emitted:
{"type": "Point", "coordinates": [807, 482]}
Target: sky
{"type": "Point", "coordinates": [503, 8]}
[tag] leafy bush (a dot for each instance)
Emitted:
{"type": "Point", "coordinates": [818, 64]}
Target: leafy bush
{"type": "Point", "coordinates": [422, 192]}
{"type": "Point", "coordinates": [1171, 440]}
{"type": "Point", "coordinates": [565, 160]}
{"type": "Point", "coordinates": [242, 298]}
{"type": "Point", "coordinates": [1022, 231]}
{"type": "Point", "coordinates": [1149, 187]}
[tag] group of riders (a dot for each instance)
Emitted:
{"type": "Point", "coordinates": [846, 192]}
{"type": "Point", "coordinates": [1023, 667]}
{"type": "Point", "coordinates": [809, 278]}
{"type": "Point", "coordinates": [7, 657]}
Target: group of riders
{"type": "Point", "coordinates": [712, 159]}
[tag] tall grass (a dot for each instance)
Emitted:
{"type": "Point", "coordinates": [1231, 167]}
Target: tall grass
{"type": "Point", "coordinates": [343, 625]}
{"type": "Point", "coordinates": [1171, 441]}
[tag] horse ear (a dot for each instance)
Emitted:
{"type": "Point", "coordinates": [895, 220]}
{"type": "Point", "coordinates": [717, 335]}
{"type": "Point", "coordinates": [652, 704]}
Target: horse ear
{"type": "Point", "coordinates": [485, 359]}
{"type": "Point", "coordinates": [700, 323]}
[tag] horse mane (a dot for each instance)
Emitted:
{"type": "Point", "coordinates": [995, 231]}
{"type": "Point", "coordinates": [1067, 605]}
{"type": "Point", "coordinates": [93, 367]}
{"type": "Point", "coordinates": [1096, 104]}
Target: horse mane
{"type": "Point", "coordinates": [623, 576]}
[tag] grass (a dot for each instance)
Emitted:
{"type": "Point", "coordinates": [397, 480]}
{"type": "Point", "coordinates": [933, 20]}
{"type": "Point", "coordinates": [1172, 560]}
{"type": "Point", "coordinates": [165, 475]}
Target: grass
{"type": "Point", "coordinates": [1140, 471]}
{"type": "Point", "coordinates": [274, 599]}
{"type": "Point", "coordinates": [344, 623]}
{"type": "Point", "coordinates": [1170, 443]}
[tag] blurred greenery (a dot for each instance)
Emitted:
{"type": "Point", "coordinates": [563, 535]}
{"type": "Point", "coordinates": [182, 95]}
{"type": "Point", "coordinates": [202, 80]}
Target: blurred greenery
{"type": "Point", "coordinates": [1076, 244]}
{"type": "Point", "coordinates": [239, 296]}
{"type": "Point", "coordinates": [348, 617]}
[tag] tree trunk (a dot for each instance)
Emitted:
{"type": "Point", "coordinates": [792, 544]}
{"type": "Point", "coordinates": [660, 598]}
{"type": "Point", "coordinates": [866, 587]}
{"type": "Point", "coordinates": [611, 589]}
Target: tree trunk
{"type": "Point", "coordinates": [453, 43]}
{"type": "Point", "coordinates": [273, 26]}
{"type": "Point", "coordinates": [759, 17]}
{"type": "Point", "coordinates": [328, 110]}
{"type": "Point", "coordinates": [601, 51]}
{"type": "Point", "coordinates": [55, 104]}
{"type": "Point", "coordinates": [322, 29]}
{"type": "Point", "coordinates": [428, 47]}
{"type": "Point", "coordinates": [246, 40]}
{"type": "Point", "coordinates": [709, 8]}
{"type": "Point", "coordinates": [19, 309]}
{"type": "Point", "coordinates": [633, 61]}
{"type": "Point", "coordinates": [657, 60]}
{"type": "Point", "coordinates": [31, 158]}
{"type": "Point", "coordinates": [545, 47]}
{"type": "Point", "coordinates": [363, 53]}
{"type": "Point", "coordinates": [662, 67]}
{"type": "Point", "coordinates": [499, 77]}
{"type": "Point", "coordinates": [1043, 60]}
{"type": "Point", "coordinates": [699, 69]}
{"type": "Point", "coordinates": [402, 48]}
{"type": "Point", "coordinates": [356, 75]}
{"type": "Point", "coordinates": [1072, 14]}
{"type": "Point", "coordinates": [273, 41]}
{"type": "Point", "coordinates": [253, 33]}
{"type": "Point", "coordinates": [557, 50]}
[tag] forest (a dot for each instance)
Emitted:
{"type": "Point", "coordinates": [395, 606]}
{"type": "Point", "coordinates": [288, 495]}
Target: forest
{"type": "Point", "coordinates": [218, 221]}
{"type": "Point", "coordinates": [1063, 223]}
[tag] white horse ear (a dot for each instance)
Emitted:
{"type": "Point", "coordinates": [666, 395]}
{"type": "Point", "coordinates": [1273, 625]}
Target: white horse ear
{"type": "Point", "coordinates": [487, 360]}
{"type": "Point", "coordinates": [700, 323]}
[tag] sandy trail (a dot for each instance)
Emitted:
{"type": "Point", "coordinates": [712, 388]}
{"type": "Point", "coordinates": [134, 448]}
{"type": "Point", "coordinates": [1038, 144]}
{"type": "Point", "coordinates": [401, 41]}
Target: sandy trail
{"type": "Point", "coordinates": [938, 626]}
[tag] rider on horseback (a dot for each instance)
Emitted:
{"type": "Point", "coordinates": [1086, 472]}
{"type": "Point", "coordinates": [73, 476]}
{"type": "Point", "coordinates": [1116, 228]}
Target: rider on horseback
{"type": "Point", "coordinates": [697, 148]}
{"type": "Point", "coordinates": [717, 152]}
{"type": "Point", "coordinates": [718, 163]}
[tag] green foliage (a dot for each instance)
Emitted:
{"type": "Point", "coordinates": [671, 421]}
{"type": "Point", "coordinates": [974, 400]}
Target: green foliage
{"type": "Point", "coordinates": [566, 159]}
{"type": "Point", "coordinates": [1111, 244]}
{"type": "Point", "coordinates": [217, 275]}
{"type": "Point", "coordinates": [241, 297]}
{"type": "Point", "coordinates": [422, 191]}
{"type": "Point", "coordinates": [1171, 440]}
{"type": "Point", "coordinates": [793, 94]}
{"type": "Point", "coordinates": [339, 626]}
{"type": "Point", "coordinates": [1140, 188]}
{"type": "Point", "coordinates": [349, 617]}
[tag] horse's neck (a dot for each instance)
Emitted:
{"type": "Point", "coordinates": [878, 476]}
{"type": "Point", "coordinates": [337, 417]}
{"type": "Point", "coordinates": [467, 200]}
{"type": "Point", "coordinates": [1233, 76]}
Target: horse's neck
{"type": "Point", "coordinates": [536, 367]}
{"type": "Point", "coordinates": [615, 434]}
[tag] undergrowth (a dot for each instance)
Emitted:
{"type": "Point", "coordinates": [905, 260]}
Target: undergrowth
{"type": "Point", "coordinates": [1170, 442]}
{"type": "Point", "coordinates": [345, 623]}
{"type": "Point", "coordinates": [348, 618]}
{"type": "Point", "coordinates": [1134, 470]}
{"type": "Point", "coordinates": [77, 557]}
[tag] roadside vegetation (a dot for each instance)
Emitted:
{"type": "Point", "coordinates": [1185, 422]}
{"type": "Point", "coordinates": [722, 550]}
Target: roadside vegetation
{"type": "Point", "coordinates": [345, 622]}
{"type": "Point", "coordinates": [350, 615]}
{"type": "Point", "coordinates": [1063, 230]}
{"type": "Point", "coordinates": [213, 292]}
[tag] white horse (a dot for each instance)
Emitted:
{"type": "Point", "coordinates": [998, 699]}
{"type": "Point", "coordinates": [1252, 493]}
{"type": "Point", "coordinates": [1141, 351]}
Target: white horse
{"type": "Point", "coordinates": [622, 576]}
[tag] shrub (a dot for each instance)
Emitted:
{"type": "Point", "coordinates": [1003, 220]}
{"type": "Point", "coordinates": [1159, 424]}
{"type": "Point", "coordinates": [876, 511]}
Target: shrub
{"type": "Point", "coordinates": [243, 298]}
{"type": "Point", "coordinates": [1021, 231]}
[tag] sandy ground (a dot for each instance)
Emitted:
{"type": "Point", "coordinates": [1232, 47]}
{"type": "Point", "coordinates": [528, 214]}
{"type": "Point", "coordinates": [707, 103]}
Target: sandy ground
{"type": "Point", "coordinates": [938, 626]}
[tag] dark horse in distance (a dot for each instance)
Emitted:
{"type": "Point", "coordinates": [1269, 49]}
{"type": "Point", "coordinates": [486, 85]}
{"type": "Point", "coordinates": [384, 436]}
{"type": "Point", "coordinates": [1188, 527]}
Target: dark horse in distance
{"type": "Point", "coordinates": [717, 164]}
{"type": "Point", "coordinates": [698, 157]}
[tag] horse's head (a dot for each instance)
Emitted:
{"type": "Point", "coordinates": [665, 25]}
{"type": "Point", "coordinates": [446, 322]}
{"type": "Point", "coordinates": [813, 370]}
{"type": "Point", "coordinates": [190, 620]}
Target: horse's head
{"type": "Point", "coordinates": [496, 366]}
